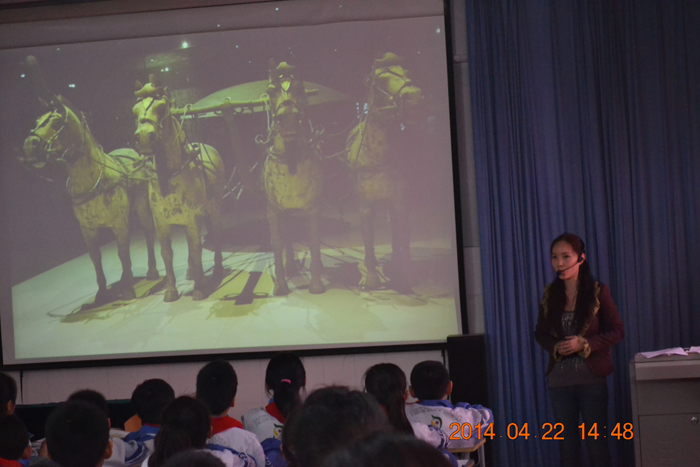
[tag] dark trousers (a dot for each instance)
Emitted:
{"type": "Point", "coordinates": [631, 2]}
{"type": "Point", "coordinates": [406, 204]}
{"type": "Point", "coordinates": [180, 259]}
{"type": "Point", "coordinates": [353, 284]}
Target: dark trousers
{"type": "Point", "coordinates": [591, 402]}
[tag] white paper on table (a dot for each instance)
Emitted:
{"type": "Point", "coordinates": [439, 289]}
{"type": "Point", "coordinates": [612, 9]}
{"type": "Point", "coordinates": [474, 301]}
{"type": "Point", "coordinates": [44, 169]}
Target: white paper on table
{"type": "Point", "coordinates": [658, 353]}
{"type": "Point", "coordinates": [695, 349]}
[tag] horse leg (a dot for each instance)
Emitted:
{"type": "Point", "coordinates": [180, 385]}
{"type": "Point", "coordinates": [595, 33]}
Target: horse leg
{"type": "Point", "coordinates": [166, 251]}
{"type": "Point", "coordinates": [90, 236]}
{"type": "Point", "coordinates": [291, 268]}
{"type": "Point", "coordinates": [149, 232]}
{"type": "Point", "coordinates": [123, 249]}
{"type": "Point", "coordinates": [367, 222]}
{"type": "Point", "coordinates": [273, 218]}
{"type": "Point", "coordinates": [190, 274]}
{"type": "Point", "coordinates": [316, 286]}
{"type": "Point", "coordinates": [194, 251]}
{"type": "Point", "coordinates": [215, 229]}
{"type": "Point", "coordinates": [400, 248]}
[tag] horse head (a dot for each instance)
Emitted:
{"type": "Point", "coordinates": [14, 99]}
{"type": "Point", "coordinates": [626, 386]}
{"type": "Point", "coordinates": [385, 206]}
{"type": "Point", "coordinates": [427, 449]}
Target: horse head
{"type": "Point", "coordinates": [288, 105]}
{"type": "Point", "coordinates": [392, 93]}
{"type": "Point", "coordinates": [59, 136]}
{"type": "Point", "coordinates": [158, 133]}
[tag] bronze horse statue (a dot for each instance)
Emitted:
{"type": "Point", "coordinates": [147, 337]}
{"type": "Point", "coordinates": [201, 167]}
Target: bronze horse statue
{"type": "Point", "coordinates": [292, 174]}
{"type": "Point", "coordinates": [102, 187]}
{"type": "Point", "coordinates": [374, 157]}
{"type": "Point", "coordinates": [187, 190]}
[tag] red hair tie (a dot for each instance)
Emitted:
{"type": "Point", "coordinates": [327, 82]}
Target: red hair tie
{"type": "Point", "coordinates": [286, 381]}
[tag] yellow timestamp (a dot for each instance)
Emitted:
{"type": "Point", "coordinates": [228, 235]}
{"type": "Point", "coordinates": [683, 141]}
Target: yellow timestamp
{"type": "Point", "coordinates": [549, 431]}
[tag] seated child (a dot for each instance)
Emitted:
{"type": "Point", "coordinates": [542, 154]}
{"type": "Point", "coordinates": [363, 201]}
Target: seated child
{"type": "Point", "coordinates": [388, 450]}
{"type": "Point", "coordinates": [77, 435]}
{"type": "Point", "coordinates": [285, 377]}
{"type": "Point", "coordinates": [387, 383]}
{"type": "Point", "coordinates": [330, 419]}
{"type": "Point", "coordinates": [96, 399]}
{"type": "Point", "coordinates": [194, 459]}
{"type": "Point", "coordinates": [8, 394]}
{"type": "Point", "coordinates": [217, 384]}
{"type": "Point", "coordinates": [148, 400]}
{"type": "Point", "coordinates": [430, 384]}
{"type": "Point", "coordinates": [14, 440]}
{"type": "Point", "coordinates": [8, 402]}
{"type": "Point", "coordinates": [185, 425]}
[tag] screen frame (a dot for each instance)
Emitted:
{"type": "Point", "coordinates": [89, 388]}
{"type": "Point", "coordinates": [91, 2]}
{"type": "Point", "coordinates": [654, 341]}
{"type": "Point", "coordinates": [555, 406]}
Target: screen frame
{"type": "Point", "coordinates": [23, 17]}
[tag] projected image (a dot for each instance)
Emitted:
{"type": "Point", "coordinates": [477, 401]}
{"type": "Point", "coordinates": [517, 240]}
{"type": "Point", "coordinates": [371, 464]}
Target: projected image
{"type": "Point", "coordinates": [235, 190]}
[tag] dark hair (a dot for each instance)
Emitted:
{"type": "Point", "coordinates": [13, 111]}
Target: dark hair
{"type": "Point", "coordinates": [8, 391]}
{"type": "Point", "coordinates": [184, 425]}
{"type": "Point", "coordinates": [388, 450]}
{"type": "Point", "coordinates": [91, 397]}
{"type": "Point", "coordinates": [329, 419]}
{"type": "Point", "coordinates": [217, 384]}
{"type": "Point", "coordinates": [150, 398]}
{"type": "Point", "coordinates": [387, 383]}
{"type": "Point", "coordinates": [284, 377]}
{"type": "Point", "coordinates": [194, 459]}
{"type": "Point", "coordinates": [585, 294]}
{"type": "Point", "coordinates": [429, 380]}
{"type": "Point", "coordinates": [77, 434]}
{"type": "Point", "coordinates": [13, 437]}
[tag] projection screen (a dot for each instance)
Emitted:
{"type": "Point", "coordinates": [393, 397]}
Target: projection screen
{"type": "Point", "coordinates": [307, 134]}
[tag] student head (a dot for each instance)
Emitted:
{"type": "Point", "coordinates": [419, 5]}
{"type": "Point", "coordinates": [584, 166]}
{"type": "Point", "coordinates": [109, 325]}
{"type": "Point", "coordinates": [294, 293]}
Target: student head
{"type": "Point", "coordinates": [77, 435]}
{"type": "Point", "coordinates": [216, 386]}
{"type": "Point", "coordinates": [329, 419]}
{"type": "Point", "coordinates": [284, 378]}
{"type": "Point", "coordinates": [387, 383]}
{"type": "Point", "coordinates": [150, 398]}
{"type": "Point", "coordinates": [388, 450]}
{"type": "Point", "coordinates": [13, 438]}
{"type": "Point", "coordinates": [91, 397]}
{"type": "Point", "coordinates": [184, 425]}
{"type": "Point", "coordinates": [8, 394]}
{"type": "Point", "coordinates": [194, 459]}
{"type": "Point", "coordinates": [430, 380]}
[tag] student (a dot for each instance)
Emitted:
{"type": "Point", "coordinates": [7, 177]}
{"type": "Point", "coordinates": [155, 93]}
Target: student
{"type": "Point", "coordinates": [185, 425]}
{"type": "Point", "coordinates": [388, 450]}
{"type": "Point", "coordinates": [217, 385]}
{"type": "Point", "coordinates": [430, 384]}
{"type": "Point", "coordinates": [8, 403]}
{"type": "Point", "coordinates": [148, 400]}
{"type": "Point", "coordinates": [8, 394]}
{"type": "Point", "coordinates": [14, 441]}
{"type": "Point", "coordinates": [194, 459]}
{"type": "Point", "coordinates": [387, 383]}
{"type": "Point", "coordinates": [330, 419]}
{"type": "Point", "coordinates": [92, 397]}
{"type": "Point", "coordinates": [285, 378]}
{"type": "Point", "coordinates": [77, 435]}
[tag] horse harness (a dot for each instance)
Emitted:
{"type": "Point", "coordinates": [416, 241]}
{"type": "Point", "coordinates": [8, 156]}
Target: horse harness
{"type": "Point", "coordinates": [391, 96]}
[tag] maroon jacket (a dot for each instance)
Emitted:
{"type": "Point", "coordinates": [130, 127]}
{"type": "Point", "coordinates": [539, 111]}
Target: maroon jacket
{"type": "Point", "coordinates": [599, 334]}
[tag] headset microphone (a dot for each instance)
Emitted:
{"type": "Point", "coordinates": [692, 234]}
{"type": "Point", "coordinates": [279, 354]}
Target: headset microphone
{"type": "Point", "coordinates": [560, 273]}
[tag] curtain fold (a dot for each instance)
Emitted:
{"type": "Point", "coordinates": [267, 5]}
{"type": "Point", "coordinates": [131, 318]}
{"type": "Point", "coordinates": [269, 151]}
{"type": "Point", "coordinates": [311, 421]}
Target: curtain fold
{"type": "Point", "coordinates": [586, 118]}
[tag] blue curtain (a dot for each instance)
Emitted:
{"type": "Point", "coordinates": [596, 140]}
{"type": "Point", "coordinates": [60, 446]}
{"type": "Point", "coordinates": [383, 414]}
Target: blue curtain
{"type": "Point", "coordinates": [586, 119]}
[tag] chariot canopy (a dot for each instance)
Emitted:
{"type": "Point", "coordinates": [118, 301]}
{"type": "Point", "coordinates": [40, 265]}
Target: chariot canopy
{"type": "Point", "coordinates": [247, 98]}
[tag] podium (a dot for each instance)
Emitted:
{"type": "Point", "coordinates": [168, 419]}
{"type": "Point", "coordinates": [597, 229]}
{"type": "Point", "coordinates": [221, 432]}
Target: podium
{"type": "Point", "coordinates": [666, 409]}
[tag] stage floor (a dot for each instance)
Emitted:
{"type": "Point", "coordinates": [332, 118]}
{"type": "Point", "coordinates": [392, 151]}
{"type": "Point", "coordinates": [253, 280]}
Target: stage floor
{"type": "Point", "coordinates": [53, 316]}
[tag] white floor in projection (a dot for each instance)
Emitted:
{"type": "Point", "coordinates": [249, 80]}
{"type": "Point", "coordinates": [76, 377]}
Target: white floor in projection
{"type": "Point", "coordinates": [241, 313]}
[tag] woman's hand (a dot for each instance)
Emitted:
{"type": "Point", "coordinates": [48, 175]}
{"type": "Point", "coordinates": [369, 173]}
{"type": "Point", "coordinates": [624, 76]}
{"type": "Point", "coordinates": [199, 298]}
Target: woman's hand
{"type": "Point", "coordinates": [570, 345]}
